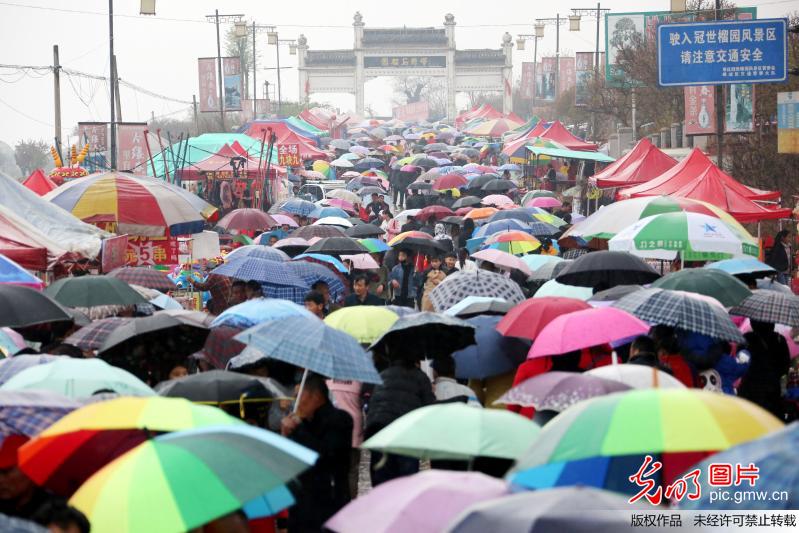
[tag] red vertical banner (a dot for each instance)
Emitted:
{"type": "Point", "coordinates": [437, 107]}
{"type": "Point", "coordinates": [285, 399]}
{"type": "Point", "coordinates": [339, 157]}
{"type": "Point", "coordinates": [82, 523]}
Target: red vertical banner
{"type": "Point", "coordinates": [233, 84]}
{"type": "Point", "coordinates": [114, 253]}
{"type": "Point", "coordinates": [700, 110]}
{"type": "Point", "coordinates": [94, 133]}
{"type": "Point", "coordinates": [566, 74]}
{"type": "Point", "coordinates": [528, 80]}
{"type": "Point", "coordinates": [209, 94]}
{"type": "Point", "coordinates": [132, 148]}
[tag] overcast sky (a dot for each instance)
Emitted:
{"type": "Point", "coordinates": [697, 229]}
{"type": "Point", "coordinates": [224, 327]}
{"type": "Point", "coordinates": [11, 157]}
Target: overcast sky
{"type": "Point", "coordinates": [160, 53]}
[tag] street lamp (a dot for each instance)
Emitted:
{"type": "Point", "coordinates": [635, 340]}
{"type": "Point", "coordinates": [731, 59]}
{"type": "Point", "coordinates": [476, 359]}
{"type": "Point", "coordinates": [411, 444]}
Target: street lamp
{"type": "Point", "coordinates": [278, 42]}
{"type": "Point", "coordinates": [539, 32]}
{"type": "Point", "coordinates": [241, 28]}
{"type": "Point", "coordinates": [147, 7]}
{"type": "Point", "coordinates": [216, 18]}
{"type": "Point", "coordinates": [271, 37]}
{"type": "Point", "coordinates": [574, 22]}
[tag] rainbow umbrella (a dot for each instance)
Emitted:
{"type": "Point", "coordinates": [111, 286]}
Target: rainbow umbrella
{"type": "Point", "coordinates": [374, 245]}
{"type": "Point", "coordinates": [180, 481]}
{"type": "Point", "coordinates": [602, 441]}
{"type": "Point", "coordinates": [513, 242]}
{"type": "Point", "coordinates": [323, 167]}
{"type": "Point", "coordinates": [67, 453]}
{"type": "Point", "coordinates": [137, 205]}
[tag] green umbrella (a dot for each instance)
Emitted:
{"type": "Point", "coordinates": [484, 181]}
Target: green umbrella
{"type": "Point", "coordinates": [92, 291]}
{"type": "Point", "coordinates": [456, 431]}
{"type": "Point", "coordinates": [715, 283]}
{"type": "Point", "coordinates": [180, 481]}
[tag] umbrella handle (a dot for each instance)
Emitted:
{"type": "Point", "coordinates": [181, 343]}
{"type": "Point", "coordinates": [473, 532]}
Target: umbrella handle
{"type": "Point", "coordinates": [299, 393]}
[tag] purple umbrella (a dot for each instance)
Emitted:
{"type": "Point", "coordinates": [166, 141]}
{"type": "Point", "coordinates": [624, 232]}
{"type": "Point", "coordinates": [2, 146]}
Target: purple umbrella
{"type": "Point", "coordinates": [423, 503]}
{"type": "Point", "coordinates": [556, 391]}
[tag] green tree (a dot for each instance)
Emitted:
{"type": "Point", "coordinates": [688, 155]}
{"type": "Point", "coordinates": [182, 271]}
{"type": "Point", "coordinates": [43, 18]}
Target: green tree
{"type": "Point", "coordinates": [32, 154]}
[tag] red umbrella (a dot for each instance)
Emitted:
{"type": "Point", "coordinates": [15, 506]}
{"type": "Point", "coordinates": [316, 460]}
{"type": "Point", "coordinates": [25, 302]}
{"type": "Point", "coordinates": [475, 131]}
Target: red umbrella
{"type": "Point", "coordinates": [434, 211]}
{"type": "Point", "coordinates": [527, 319]}
{"type": "Point", "coordinates": [247, 219]}
{"type": "Point", "coordinates": [450, 181]}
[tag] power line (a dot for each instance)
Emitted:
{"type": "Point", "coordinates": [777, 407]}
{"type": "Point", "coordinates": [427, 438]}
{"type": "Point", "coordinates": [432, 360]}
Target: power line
{"type": "Point", "coordinates": [15, 110]}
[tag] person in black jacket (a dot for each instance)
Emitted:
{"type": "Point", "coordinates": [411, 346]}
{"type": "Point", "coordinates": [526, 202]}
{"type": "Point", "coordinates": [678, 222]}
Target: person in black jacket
{"type": "Point", "coordinates": [360, 293]}
{"type": "Point", "coordinates": [405, 388]}
{"type": "Point", "coordinates": [770, 361]}
{"type": "Point", "coordinates": [324, 488]}
{"type": "Point", "coordinates": [779, 257]}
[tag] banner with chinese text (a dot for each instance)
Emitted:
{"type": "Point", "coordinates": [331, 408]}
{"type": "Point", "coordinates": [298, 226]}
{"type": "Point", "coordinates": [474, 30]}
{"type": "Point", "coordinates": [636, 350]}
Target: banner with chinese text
{"type": "Point", "coordinates": [232, 80]}
{"type": "Point", "coordinates": [132, 148]}
{"type": "Point", "coordinates": [700, 110]}
{"type": "Point", "coordinates": [114, 253]}
{"type": "Point", "coordinates": [142, 251]}
{"type": "Point", "coordinates": [209, 93]}
{"type": "Point", "coordinates": [528, 80]}
{"type": "Point", "coordinates": [94, 133]}
{"type": "Point", "coordinates": [288, 155]}
{"type": "Point", "coordinates": [566, 75]}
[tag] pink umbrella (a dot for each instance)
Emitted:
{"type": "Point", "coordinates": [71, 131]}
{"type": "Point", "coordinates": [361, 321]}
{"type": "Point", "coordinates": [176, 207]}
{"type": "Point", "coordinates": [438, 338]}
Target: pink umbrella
{"type": "Point", "coordinates": [543, 201]}
{"type": "Point", "coordinates": [338, 202]}
{"type": "Point", "coordinates": [409, 168]}
{"type": "Point", "coordinates": [586, 328]}
{"type": "Point", "coordinates": [497, 200]}
{"type": "Point", "coordinates": [361, 261]}
{"type": "Point", "coordinates": [285, 219]}
{"type": "Point", "coordinates": [502, 259]}
{"type": "Point", "coordinates": [428, 500]}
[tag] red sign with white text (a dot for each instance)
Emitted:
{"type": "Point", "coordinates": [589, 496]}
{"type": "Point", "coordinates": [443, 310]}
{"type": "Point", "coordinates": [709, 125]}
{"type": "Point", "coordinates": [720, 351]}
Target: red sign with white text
{"type": "Point", "coordinates": [288, 155]}
{"type": "Point", "coordinates": [700, 110]}
{"type": "Point", "coordinates": [114, 253]}
{"type": "Point", "coordinates": [132, 148]}
{"type": "Point", "coordinates": [209, 94]}
{"type": "Point", "coordinates": [143, 251]}
{"type": "Point", "coordinates": [94, 133]}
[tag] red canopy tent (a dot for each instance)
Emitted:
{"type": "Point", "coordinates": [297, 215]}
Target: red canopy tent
{"type": "Point", "coordinates": [307, 150]}
{"type": "Point", "coordinates": [689, 170]}
{"type": "Point", "coordinates": [485, 111]}
{"type": "Point", "coordinates": [513, 147]}
{"type": "Point", "coordinates": [641, 164]}
{"type": "Point", "coordinates": [19, 245]}
{"type": "Point", "coordinates": [514, 117]}
{"type": "Point", "coordinates": [557, 132]}
{"type": "Point", "coordinates": [315, 120]}
{"type": "Point", "coordinates": [256, 128]}
{"type": "Point", "coordinates": [39, 183]}
{"type": "Point", "coordinates": [220, 162]}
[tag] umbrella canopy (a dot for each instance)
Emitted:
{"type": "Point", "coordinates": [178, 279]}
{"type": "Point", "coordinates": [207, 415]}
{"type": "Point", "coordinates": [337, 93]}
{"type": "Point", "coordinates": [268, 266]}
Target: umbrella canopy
{"type": "Point", "coordinates": [434, 498]}
{"type": "Point", "coordinates": [436, 212]}
{"type": "Point", "coordinates": [553, 288]}
{"type": "Point", "coordinates": [284, 220]}
{"type": "Point", "coordinates": [68, 452]}
{"type": "Point", "coordinates": [480, 213]}
{"type": "Point", "coordinates": [550, 269]}
{"type": "Point", "coordinates": [247, 219]}
{"type": "Point", "coordinates": [549, 510]}
{"type": "Point", "coordinates": [455, 431]}
{"type": "Point", "coordinates": [498, 185]}
{"type": "Point", "coordinates": [522, 215]}
{"type": "Point", "coordinates": [743, 266]}
{"type": "Point", "coordinates": [607, 269]}
{"type": "Point", "coordinates": [221, 387]}
{"type": "Point", "coordinates": [361, 261]}
{"type": "Point", "coordinates": [537, 261]}
{"type": "Point", "coordinates": [91, 291]}
{"type": "Point", "coordinates": [616, 431]}
{"type": "Point", "coordinates": [466, 201]}
{"type": "Point", "coordinates": [583, 329]}
{"type": "Point", "coordinates": [557, 391]}
{"type": "Point", "coordinates": [344, 194]}
{"type": "Point", "coordinates": [450, 181]}
{"type": "Point", "coordinates": [323, 259]}
{"type": "Point", "coordinates": [710, 282]}
{"type": "Point", "coordinates": [11, 342]}
{"type": "Point", "coordinates": [270, 253]}
{"type": "Point", "coordinates": [492, 354]}
{"type": "Point", "coordinates": [527, 319]}
{"type": "Point", "coordinates": [544, 201]}
{"type": "Point", "coordinates": [12, 366]}
{"type": "Point", "coordinates": [291, 246]}
{"type": "Point", "coordinates": [361, 231]}
{"type": "Point", "coordinates": [425, 334]}
{"type": "Point", "coordinates": [493, 128]}
{"type": "Point", "coordinates": [257, 311]}
{"type": "Point", "coordinates": [29, 412]}
{"type": "Point", "coordinates": [491, 228]}
{"type": "Point", "coordinates": [324, 212]}
{"type": "Point", "coordinates": [609, 296]}
{"type": "Point", "coordinates": [365, 323]}
{"type": "Point", "coordinates": [479, 305]}
{"type": "Point", "coordinates": [276, 278]}
{"type": "Point", "coordinates": [460, 285]}
{"type": "Point", "coordinates": [320, 348]}
{"type": "Point", "coordinates": [102, 335]}
{"type": "Point", "coordinates": [770, 306]}
{"type": "Point", "coordinates": [23, 306]}
{"type": "Point", "coordinates": [502, 260]}
{"type": "Point", "coordinates": [680, 310]}
{"type": "Point", "coordinates": [296, 206]}
{"type": "Point", "coordinates": [337, 246]}
{"type": "Point", "coordinates": [182, 480]}
{"type": "Point", "coordinates": [13, 274]}
{"type": "Point", "coordinates": [144, 277]}
{"type": "Point", "coordinates": [324, 231]}
{"type": "Point", "coordinates": [333, 221]}
{"type": "Point", "coordinates": [637, 376]}
{"type": "Point", "coordinates": [312, 273]}
{"type": "Point", "coordinates": [374, 245]}
{"type": "Point", "coordinates": [497, 200]}
{"type": "Point", "coordinates": [78, 378]}
{"type": "Point", "coordinates": [416, 241]}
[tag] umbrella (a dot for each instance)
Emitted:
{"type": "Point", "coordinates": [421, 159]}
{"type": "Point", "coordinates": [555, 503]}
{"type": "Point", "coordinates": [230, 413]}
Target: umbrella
{"type": "Point", "coordinates": [374, 245]}
{"type": "Point", "coordinates": [680, 310]}
{"type": "Point", "coordinates": [78, 378]}
{"type": "Point", "coordinates": [13, 274]}
{"type": "Point", "coordinates": [269, 273]}
{"type": "Point", "coordinates": [498, 185]}
{"type": "Point", "coordinates": [246, 219]}
{"type": "Point", "coordinates": [311, 273]}
{"type": "Point", "coordinates": [607, 269]}
{"type": "Point", "coordinates": [637, 376]}
{"type": "Point", "coordinates": [416, 241]}
{"type": "Point", "coordinates": [12, 366]}
{"type": "Point", "coordinates": [291, 246]}
{"type": "Point", "coordinates": [221, 387]}
{"type": "Point", "coordinates": [341, 163]}
{"type": "Point", "coordinates": [319, 348]}
{"type": "Point", "coordinates": [710, 282]}
{"type": "Point", "coordinates": [144, 277]}
{"type": "Point", "coordinates": [618, 430]}
{"type": "Point", "coordinates": [91, 291]}
{"type": "Point", "coordinates": [340, 144]}
{"type": "Point", "coordinates": [10, 342]}
{"type": "Point", "coordinates": [284, 220]}
{"type": "Point", "coordinates": [309, 232]}
{"type": "Point", "coordinates": [692, 236]}
{"type": "Point", "coordinates": [324, 259]}
{"type": "Point", "coordinates": [333, 221]}
{"type": "Point", "coordinates": [450, 181]}
{"type": "Point", "coordinates": [616, 293]}
{"type": "Point", "coordinates": [774, 455]}
{"type": "Point", "coordinates": [550, 270]}
{"type": "Point", "coordinates": [69, 451]}
{"type": "Point", "coordinates": [323, 212]}
{"type": "Point", "coordinates": [544, 201]}
{"type": "Point", "coordinates": [297, 206]}
{"type": "Point", "coordinates": [466, 201]}
{"type": "Point", "coordinates": [180, 481]}
{"type": "Point", "coordinates": [553, 288]}
{"type": "Point", "coordinates": [426, 162]}
{"type": "Point", "coordinates": [455, 431]}
{"type": "Point", "coordinates": [573, 509]}
{"type": "Point", "coordinates": [769, 284]}
{"type": "Point", "coordinates": [454, 220]}
{"type": "Point", "coordinates": [371, 189]}
{"type": "Point", "coordinates": [337, 246]}
{"type": "Point", "coordinates": [481, 213]}
{"type": "Point", "coordinates": [23, 306]}
{"type": "Point", "coordinates": [460, 285]}
{"type": "Point", "coordinates": [557, 391]}
{"type": "Point", "coordinates": [521, 215]}
{"type": "Point", "coordinates": [497, 200]}
{"type": "Point", "coordinates": [425, 334]}
{"type": "Point", "coordinates": [502, 260]}
{"type": "Point", "coordinates": [744, 268]}
{"type": "Point", "coordinates": [364, 231]}
{"type": "Point", "coordinates": [434, 211]}
{"type": "Point", "coordinates": [433, 498]}
{"type": "Point", "coordinates": [486, 230]}
{"type": "Point", "coordinates": [347, 206]}
{"type": "Point", "coordinates": [536, 262]}
{"type": "Point", "coordinates": [527, 319]}
{"type": "Point", "coordinates": [479, 305]}
{"type": "Point", "coordinates": [365, 323]}
{"type": "Point", "coordinates": [29, 412]}
{"type": "Point", "coordinates": [344, 194]}
{"type": "Point", "coordinates": [190, 318]}
{"type": "Point", "coordinates": [263, 238]}
{"type": "Point", "coordinates": [492, 354]}
{"type": "Point", "coordinates": [361, 261]}
{"type": "Point", "coordinates": [220, 347]}
{"type": "Point", "coordinates": [582, 329]}
{"type": "Point", "coordinates": [258, 310]}
{"type": "Point", "coordinates": [93, 336]}
{"type": "Point", "coordinates": [769, 306]}
{"type": "Point", "coordinates": [539, 193]}
{"type": "Point", "coordinates": [420, 186]}
{"type": "Point", "coordinates": [270, 253]}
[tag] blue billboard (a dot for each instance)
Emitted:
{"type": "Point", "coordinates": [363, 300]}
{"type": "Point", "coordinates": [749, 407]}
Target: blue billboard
{"type": "Point", "coordinates": [722, 52]}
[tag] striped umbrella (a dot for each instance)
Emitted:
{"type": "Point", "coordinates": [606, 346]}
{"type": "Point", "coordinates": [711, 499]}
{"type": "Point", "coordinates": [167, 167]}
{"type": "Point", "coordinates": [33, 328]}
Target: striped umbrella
{"type": "Point", "coordinates": [137, 205]}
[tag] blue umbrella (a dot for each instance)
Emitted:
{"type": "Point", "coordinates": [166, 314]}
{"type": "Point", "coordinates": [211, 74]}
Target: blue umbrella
{"type": "Point", "coordinates": [512, 214]}
{"type": "Point", "coordinates": [324, 258]}
{"type": "Point", "coordinates": [14, 365]}
{"type": "Point", "coordinates": [313, 272]}
{"type": "Point", "coordinates": [257, 311]}
{"type": "Point", "coordinates": [774, 455]}
{"type": "Point", "coordinates": [375, 245]}
{"type": "Point", "coordinates": [269, 504]}
{"type": "Point", "coordinates": [749, 265]}
{"type": "Point", "coordinates": [11, 272]}
{"type": "Point", "coordinates": [493, 354]}
{"type": "Point", "coordinates": [501, 225]}
{"type": "Point", "coordinates": [536, 261]}
{"type": "Point", "coordinates": [297, 206]}
{"type": "Point", "coordinates": [263, 238]}
{"type": "Point", "coordinates": [261, 252]}
{"type": "Point", "coordinates": [322, 212]}
{"type": "Point", "coordinates": [311, 344]}
{"type": "Point", "coordinates": [262, 270]}
{"type": "Point", "coordinates": [29, 412]}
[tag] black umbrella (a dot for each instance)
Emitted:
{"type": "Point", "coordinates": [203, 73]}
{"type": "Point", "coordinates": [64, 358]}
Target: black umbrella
{"type": "Point", "coordinates": [368, 163]}
{"type": "Point", "coordinates": [605, 269]}
{"type": "Point", "coordinates": [466, 201]}
{"type": "Point", "coordinates": [362, 231]}
{"type": "Point", "coordinates": [23, 306]}
{"type": "Point", "coordinates": [420, 245]}
{"type": "Point", "coordinates": [148, 324]}
{"type": "Point", "coordinates": [371, 189]}
{"type": "Point", "coordinates": [425, 162]}
{"type": "Point", "coordinates": [479, 181]}
{"type": "Point", "coordinates": [337, 246]}
{"type": "Point", "coordinates": [220, 386]}
{"type": "Point", "coordinates": [309, 232]}
{"type": "Point", "coordinates": [454, 220]}
{"type": "Point", "coordinates": [616, 293]}
{"type": "Point", "coordinates": [425, 334]}
{"type": "Point", "coordinates": [420, 186]}
{"type": "Point", "coordinates": [497, 185]}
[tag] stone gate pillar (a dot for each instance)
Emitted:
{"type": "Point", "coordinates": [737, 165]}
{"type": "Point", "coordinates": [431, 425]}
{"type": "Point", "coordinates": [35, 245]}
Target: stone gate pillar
{"type": "Point", "coordinates": [358, 25]}
{"type": "Point", "coordinates": [449, 27]}
{"type": "Point", "coordinates": [305, 86]}
{"type": "Point", "coordinates": [507, 73]}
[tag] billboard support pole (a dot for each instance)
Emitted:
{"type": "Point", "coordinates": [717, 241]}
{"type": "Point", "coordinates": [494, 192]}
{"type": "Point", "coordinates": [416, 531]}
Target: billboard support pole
{"type": "Point", "coordinates": [719, 111]}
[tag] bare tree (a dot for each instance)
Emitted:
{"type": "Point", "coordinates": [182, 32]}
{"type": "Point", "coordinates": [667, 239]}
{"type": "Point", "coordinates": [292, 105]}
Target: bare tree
{"type": "Point", "coordinates": [411, 89]}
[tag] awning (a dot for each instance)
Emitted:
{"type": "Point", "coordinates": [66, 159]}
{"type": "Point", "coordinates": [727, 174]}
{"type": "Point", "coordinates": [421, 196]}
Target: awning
{"type": "Point", "coordinates": [571, 154]}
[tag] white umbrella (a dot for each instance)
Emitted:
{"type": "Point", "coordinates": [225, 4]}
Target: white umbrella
{"type": "Point", "coordinates": [361, 261]}
{"type": "Point", "coordinates": [333, 221]}
{"type": "Point", "coordinates": [341, 163]}
{"type": "Point", "coordinates": [344, 194]}
{"type": "Point", "coordinates": [637, 376]}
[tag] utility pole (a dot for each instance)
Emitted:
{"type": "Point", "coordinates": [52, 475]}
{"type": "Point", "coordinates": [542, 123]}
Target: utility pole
{"type": "Point", "coordinates": [719, 111]}
{"type": "Point", "coordinates": [57, 98]}
{"type": "Point", "coordinates": [293, 46]}
{"type": "Point", "coordinates": [196, 117]}
{"type": "Point", "coordinates": [116, 91]}
{"type": "Point", "coordinates": [113, 147]}
{"type": "Point", "coordinates": [256, 29]}
{"type": "Point", "coordinates": [215, 18]}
